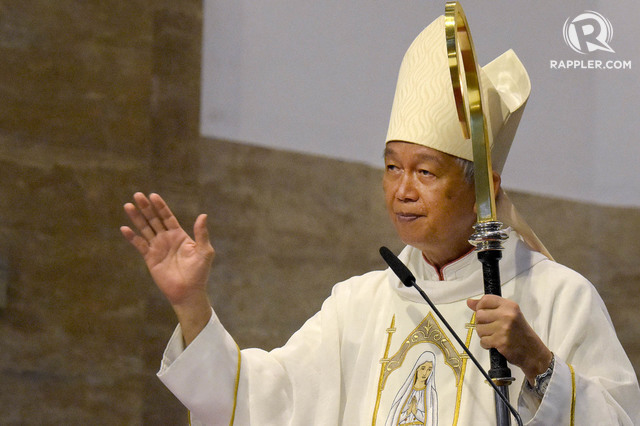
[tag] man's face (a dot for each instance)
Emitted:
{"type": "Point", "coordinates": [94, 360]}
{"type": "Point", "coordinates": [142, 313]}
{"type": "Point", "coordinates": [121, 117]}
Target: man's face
{"type": "Point", "coordinates": [428, 200]}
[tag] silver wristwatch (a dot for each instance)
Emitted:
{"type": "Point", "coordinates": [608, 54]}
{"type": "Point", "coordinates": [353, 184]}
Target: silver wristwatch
{"type": "Point", "coordinates": [542, 380]}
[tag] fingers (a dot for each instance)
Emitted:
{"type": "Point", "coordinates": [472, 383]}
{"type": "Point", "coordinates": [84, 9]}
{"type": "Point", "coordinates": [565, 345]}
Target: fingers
{"type": "Point", "coordinates": [167, 218]}
{"type": "Point", "coordinates": [154, 223]}
{"type": "Point", "coordinates": [489, 308]}
{"type": "Point", "coordinates": [137, 241]}
{"type": "Point", "coordinates": [472, 304]}
{"type": "Point", "coordinates": [501, 324]}
{"type": "Point", "coordinates": [150, 216]}
{"type": "Point", "coordinates": [139, 221]}
{"type": "Point", "coordinates": [491, 341]}
{"type": "Point", "coordinates": [496, 320]}
{"type": "Point", "coordinates": [201, 234]}
{"type": "Point", "coordinates": [489, 301]}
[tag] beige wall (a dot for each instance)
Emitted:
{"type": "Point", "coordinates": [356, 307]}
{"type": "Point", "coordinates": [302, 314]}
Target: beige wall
{"type": "Point", "coordinates": [99, 99]}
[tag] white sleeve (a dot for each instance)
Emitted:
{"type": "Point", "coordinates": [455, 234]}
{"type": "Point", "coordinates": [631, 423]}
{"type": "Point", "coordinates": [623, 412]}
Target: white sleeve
{"type": "Point", "coordinates": [297, 383]}
{"type": "Point", "coordinates": [593, 381]}
{"type": "Point", "coordinates": [204, 375]}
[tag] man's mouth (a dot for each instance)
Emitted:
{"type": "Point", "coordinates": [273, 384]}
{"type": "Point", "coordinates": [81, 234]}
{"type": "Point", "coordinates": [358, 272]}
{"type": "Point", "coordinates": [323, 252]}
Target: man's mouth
{"type": "Point", "coordinates": [407, 217]}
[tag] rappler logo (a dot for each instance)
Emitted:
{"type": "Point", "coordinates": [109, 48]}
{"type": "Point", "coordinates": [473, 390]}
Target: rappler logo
{"type": "Point", "coordinates": [588, 32]}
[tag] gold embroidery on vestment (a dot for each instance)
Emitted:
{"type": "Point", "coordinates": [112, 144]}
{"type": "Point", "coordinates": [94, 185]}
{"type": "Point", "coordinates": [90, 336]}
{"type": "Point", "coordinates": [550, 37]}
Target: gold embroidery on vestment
{"type": "Point", "coordinates": [428, 331]}
{"type": "Point", "coordinates": [235, 393]}
{"type": "Point", "coordinates": [573, 395]}
{"type": "Point", "coordinates": [383, 361]}
{"type": "Point", "coordinates": [470, 326]}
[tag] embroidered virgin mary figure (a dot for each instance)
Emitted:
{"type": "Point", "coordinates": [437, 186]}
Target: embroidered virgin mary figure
{"type": "Point", "coordinates": [417, 400]}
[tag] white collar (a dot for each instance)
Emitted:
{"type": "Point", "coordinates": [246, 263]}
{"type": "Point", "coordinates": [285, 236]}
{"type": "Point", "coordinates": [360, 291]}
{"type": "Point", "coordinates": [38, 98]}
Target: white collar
{"type": "Point", "coordinates": [462, 277]}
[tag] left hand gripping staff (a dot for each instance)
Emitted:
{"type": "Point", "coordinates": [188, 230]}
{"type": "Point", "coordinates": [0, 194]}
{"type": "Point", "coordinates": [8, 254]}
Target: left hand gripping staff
{"type": "Point", "coordinates": [488, 236]}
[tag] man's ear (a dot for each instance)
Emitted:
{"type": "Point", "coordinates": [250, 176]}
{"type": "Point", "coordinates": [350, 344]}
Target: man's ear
{"type": "Point", "coordinates": [496, 182]}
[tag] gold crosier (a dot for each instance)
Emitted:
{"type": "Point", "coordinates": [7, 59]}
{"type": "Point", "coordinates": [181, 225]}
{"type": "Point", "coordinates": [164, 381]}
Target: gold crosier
{"type": "Point", "coordinates": [467, 93]}
{"type": "Point", "coordinates": [488, 235]}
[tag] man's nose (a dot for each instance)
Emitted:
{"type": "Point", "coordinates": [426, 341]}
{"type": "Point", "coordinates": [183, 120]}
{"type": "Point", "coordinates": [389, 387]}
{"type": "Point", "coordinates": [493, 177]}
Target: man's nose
{"type": "Point", "coordinates": [407, 188]}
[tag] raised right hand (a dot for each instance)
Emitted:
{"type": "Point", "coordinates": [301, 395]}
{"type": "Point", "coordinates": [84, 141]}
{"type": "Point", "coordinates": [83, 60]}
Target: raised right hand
{"type": "Point", "coordinates": [178, 264]}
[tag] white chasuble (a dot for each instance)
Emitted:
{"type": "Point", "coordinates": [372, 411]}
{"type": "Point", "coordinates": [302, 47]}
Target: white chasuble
{"type": "Point", "coordinates": [375, 354]}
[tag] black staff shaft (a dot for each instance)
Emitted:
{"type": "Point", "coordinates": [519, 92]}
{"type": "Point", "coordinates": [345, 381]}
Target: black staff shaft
{"type": "Point", "coordinates": [499, 371]}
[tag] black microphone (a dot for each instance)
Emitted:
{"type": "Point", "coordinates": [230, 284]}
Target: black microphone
{"type": "Point", "coordinates": [398, 268]}
{"type": "Point", "coordinates": [407, 278]}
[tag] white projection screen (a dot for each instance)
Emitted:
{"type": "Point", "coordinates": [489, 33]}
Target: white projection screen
{"type": "Point", "coordinates": [318, 77]}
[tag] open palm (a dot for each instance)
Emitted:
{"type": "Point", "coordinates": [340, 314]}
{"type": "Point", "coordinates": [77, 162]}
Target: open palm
{"type": "Point", "coordinates": [178, 264]}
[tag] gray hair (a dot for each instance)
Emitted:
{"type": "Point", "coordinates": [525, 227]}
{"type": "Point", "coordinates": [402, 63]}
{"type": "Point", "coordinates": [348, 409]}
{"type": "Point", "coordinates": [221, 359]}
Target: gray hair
{"type": "Point", "coordinates": [468, 169]}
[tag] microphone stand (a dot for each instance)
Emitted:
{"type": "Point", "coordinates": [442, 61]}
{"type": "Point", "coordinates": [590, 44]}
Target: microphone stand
{"type": "Point", "coordinates": [500, 391]}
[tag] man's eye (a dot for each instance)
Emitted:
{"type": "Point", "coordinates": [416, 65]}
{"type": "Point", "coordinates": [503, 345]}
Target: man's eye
{"type": "Point", "coordinates": [424, 172]}
{"type": "Point", "coordinates": [391, 168]}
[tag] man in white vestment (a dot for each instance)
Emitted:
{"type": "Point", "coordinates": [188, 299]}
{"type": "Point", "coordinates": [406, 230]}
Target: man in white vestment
{"type": "Point", "coordinates": [376, 354]}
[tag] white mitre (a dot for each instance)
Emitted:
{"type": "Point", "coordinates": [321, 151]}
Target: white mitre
{"type": "Point", "coordinates": [424, 110]}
